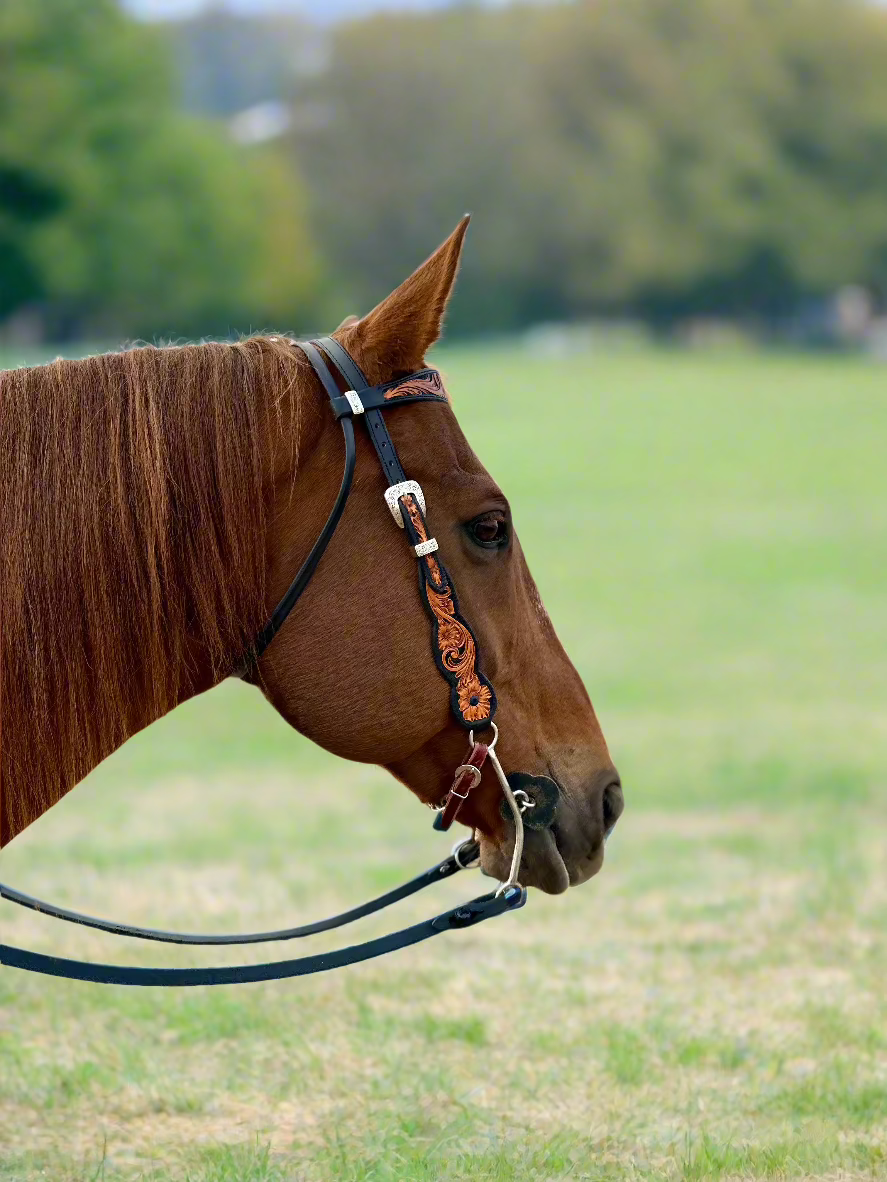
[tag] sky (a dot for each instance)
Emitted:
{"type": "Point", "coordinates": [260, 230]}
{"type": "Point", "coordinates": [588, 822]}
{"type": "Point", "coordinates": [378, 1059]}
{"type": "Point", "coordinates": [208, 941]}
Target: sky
{"type": "Point", "coordinates": [318, 9]}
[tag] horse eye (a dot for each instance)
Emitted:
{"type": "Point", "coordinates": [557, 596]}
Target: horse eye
{"type": "Point", "coordinates": [490, 530]}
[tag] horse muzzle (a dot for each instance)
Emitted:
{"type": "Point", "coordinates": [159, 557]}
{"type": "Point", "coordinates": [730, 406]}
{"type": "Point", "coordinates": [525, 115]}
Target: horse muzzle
{"type": "Point", "coordinates": [563, 841]}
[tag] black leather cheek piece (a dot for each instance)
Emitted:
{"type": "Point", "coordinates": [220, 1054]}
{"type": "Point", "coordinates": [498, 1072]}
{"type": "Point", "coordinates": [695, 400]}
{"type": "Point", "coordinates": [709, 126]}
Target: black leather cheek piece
{"type": "Point", "coordinates": [394, 474]}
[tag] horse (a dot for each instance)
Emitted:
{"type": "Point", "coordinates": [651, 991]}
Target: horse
{"type": "Point", "coordinates": [153, 507]}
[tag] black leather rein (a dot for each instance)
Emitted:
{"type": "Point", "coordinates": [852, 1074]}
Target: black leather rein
{"type": "Point", "coordinates": [468, 914]}
{"type": "Point", "coordinates": [472, 699]}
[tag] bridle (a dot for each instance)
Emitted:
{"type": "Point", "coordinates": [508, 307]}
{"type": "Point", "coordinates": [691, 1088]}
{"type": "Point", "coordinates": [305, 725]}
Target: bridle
{"type": "Point", "coordinates": [472, 702]}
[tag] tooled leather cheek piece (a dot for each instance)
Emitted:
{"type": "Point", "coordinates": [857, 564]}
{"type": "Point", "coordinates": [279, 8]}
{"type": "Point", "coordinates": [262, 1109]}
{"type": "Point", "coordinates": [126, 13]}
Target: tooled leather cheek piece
{"type": "Point", "coordinates": [472, 698]}
{"type": "Point", "coordinates": [453, 645]}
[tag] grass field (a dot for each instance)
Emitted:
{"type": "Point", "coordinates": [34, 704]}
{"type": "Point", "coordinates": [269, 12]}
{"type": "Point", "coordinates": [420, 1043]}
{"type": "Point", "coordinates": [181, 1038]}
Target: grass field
{"type": "Point", "coordinates": [709, 533]}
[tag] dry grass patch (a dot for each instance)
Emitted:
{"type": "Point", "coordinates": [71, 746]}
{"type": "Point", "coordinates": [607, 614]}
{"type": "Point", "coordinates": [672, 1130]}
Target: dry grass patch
{"type": "Point", "coordinates": [709, 1011]}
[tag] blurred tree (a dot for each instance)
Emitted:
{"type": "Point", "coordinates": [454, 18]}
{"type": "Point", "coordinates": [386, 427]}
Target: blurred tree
{"type": "Point", "coordinates": [24, 198]}
{"type": "Point", "coordinates": [157, 223]}
{"type": "Point", "coordinates": [655, 156]}
{"type": "Point", "coordinates": [423, 118]}
{"type": "Point", "coordinates": [229, 61]}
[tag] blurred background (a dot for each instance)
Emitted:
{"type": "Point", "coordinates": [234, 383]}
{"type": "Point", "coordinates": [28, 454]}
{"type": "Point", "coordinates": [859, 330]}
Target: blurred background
{"type": "Point", "coordinates": [666, 344]}
{"type": "Point", "coordinates": [698, 168]}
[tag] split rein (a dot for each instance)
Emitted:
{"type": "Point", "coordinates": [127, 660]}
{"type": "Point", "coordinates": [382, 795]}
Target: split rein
{"type": "Point", "coordinates": [472, 701]}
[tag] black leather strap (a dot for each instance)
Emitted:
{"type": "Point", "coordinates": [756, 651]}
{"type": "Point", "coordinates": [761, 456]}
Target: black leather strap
{"type": "Point", "coordinates": [378, 432]}
{"type": "Point", "coordinates": [309, 566]}
{"type": "Point", "coordinates": [385, 449]}
{"type": "Point", "coordinates": [321, 367]}
{"type": "Point", "coordinates": [484, 907]}
{"type": "Point", "coordinates": [445, 869]}
{"type": "Point", "coordinates": [343, 361]}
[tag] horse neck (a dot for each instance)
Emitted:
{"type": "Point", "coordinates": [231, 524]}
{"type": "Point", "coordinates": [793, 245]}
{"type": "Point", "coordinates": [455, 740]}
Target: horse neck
{"type": "Point", "coordinates": [132, 525]}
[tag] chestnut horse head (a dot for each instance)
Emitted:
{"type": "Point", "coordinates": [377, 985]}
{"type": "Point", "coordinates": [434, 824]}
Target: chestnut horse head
{"type": "Point", "coordinates": [157, 506]}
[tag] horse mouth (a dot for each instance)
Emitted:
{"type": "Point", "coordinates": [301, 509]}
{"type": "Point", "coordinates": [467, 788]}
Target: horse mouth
{"type": "Point", "coordinates": [542, 866]}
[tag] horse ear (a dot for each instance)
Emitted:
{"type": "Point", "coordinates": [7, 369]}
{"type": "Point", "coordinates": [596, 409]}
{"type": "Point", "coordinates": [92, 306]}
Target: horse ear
{"type": "Point", "coordinates": [395, 336]}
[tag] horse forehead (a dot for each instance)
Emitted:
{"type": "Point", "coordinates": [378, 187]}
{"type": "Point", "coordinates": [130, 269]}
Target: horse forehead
{"type": "Point", "coordinates": [448, 466]}
{"type": "Point", "coordinates": [433, 440]}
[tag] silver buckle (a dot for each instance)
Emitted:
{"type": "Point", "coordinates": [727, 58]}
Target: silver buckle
{"type": "Point", "coordinates": [457, 851]}
{"type": "Point", "coordinates": [395, 491]}
{"type": "Point", "coordinates": [476, 778]}
{"type": "Point", "coordinates": [357, 407]}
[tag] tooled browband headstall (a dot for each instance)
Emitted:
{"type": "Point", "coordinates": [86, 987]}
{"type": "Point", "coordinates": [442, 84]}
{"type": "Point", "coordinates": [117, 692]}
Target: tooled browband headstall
{"type": "Point", "coordinates": [471, 696]}
{"type": "Point", "coordinates": [454, 646]}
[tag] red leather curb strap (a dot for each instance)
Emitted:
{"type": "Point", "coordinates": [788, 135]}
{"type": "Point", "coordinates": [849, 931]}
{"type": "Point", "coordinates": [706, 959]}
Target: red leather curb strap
{"type": "Point", "coordinates": [462, 786]}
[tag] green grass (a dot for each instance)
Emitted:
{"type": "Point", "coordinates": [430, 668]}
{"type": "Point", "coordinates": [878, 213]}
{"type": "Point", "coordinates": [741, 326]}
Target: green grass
{"type": "Point", "coordinates": [709, 533]}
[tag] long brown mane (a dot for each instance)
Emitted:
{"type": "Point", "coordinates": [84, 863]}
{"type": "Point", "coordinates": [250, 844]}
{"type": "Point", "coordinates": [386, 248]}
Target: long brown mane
{"type": "Point", "coordinates": [132, 526]}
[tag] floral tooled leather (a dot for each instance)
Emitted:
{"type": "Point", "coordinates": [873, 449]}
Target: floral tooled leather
{"type": "Point", "coordinates": [430, 383]}
{"type": "Point", "coordinates": [458, 656]}
{"type": "Point", "coordinates": [455, 649]}
{"type": "Point", "coordinates": [414, 514]}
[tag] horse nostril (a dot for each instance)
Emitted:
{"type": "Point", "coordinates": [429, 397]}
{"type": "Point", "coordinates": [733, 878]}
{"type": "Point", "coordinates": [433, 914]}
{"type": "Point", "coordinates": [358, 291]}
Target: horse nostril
{"type": "Point", "coordinates": [613, 804]}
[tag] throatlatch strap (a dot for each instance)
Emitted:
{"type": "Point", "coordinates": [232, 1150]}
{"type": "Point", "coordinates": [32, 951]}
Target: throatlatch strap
{"type": "Point", "coordinates": [309, 566]}
{"type": "Point", "coordinates": [454, 647]}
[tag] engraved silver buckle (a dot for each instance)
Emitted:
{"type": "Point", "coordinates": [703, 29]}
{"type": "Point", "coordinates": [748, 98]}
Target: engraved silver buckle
{"type": "Point", "coordinates": [357, 407]}
{"type": "Point", "coordinates": [395, 491]}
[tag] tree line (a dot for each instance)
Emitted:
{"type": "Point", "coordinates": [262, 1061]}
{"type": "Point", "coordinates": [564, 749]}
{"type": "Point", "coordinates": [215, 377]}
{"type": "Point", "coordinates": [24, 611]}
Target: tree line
{"type": "Point", "coordinates": [655, 158]}
{"type": "Point", "coordinates": [647, 157]}
{"type": "Point", "coordinates": [119, 213]}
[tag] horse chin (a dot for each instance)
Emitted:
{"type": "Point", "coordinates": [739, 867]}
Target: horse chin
{"type": "Point", "coordinates": [542, 865]}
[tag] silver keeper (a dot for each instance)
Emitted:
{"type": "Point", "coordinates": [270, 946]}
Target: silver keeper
{"type": "Point", "coordinates": [426, 547]}
{"type": "Point", "coordinates": [354, 402]}
{"type": "Point", "coordinates": [395, 491]}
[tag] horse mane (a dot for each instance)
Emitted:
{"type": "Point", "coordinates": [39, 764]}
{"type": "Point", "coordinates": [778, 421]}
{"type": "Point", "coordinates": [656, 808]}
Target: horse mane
{"type": "Point", "coordinates": [132, 533]}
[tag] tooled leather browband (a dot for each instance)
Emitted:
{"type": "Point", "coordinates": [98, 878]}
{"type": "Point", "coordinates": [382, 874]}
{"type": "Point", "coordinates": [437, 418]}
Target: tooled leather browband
{"type": "Point", "coordinates": [424, 386]}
